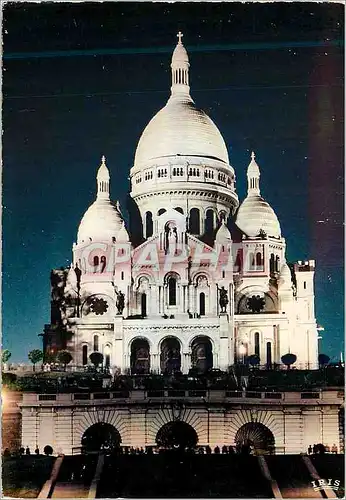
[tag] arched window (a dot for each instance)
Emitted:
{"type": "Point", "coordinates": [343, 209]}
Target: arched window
{"type": "Point", "coordinates": [96, 260]}
{"type": "Point", "coordinates": [222, 216]}
{"type": "Point", "coordinates": [257, 344]}
{"type": "Point", "coordinates": [122, 275]}
{"type": "Point", "coordinates": [107, 354]}
{"type": "Point", "coordinates": [304, 285]}
{"type": "Point", "coordinates": [237, 264]}
{"type": "Point", "coordinates": [209, 221]}
{"type": "Point", "coordinates": [269, 354]}
{"type": "Point", "coordinates": [202, 304]}
{"type": "Point", "coordinates": [96, 343]}
{"type": "Point", "coordinates": [194, 223]}
{"type": "Point", "coordinates": [201, 354]}
{"type": "Point", "coordinates": [259, 259]}
{"type": "Point", "coordinates": [148, 224]}
{"type": "Point", "coordinates": [161, 211]}
{"type": "Point", "coordinates": [143, 305]}
{"type": "Point", "coordinates": [277, 264]}
{"type": "Point", "coordinates": [251, 261]}
{"type": "Point", "coordinates": [179, 209]}
{"type": "Point", "coordinates": [170, 356]}
{"type": "Point", "coordinates": [85, 354]}
{"type": "Point", "coordinates": [103, 263]}
{"type": "Point", "coordinates": [172, 291]}
{"type": "Point", "coordinates": [140, 356]}
{"type": "Point", "coordinates": [272, 263]}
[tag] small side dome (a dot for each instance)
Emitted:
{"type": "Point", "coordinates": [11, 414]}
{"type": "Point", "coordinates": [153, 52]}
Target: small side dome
{"type": "Point", "coordinates": [101, 222]}
{"type": "Point", "coordinates": [223, 234]}
{"type": "Point", "coordinates": [285, 277]}
{"type": "Point", "coordinates": [255, 215]}
{"type": "Point", "coordinates": [123, 235]}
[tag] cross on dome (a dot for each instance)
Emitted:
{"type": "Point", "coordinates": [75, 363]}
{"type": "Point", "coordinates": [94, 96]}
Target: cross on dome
{"type": "Point", "coordinates": [180, 36]}
{"type": "Point", "coordinates": [253, 156]}
{"type": "Point", "coordinates": [103, 160]}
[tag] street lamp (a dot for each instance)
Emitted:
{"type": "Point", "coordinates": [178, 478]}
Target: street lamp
{"type": "Point", "coordinates": [242, 352]}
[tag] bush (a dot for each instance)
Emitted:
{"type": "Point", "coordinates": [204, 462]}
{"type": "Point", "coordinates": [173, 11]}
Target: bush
{"type": "Point", "coordinates": [96, 358]}
{"type": "Point", "coordinates": [9, 378]}
{"type": "Point", "coordinates": [323, 360]}
{"type": "Point", "coordinates": [253, 360]}
{"type": "Point", "coordinates": [289, 359]}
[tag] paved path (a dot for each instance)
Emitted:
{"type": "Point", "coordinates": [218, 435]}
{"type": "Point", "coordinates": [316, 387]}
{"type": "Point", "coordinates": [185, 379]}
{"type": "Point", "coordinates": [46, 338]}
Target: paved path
{"type": "Point", "coordinates": [70, 490]}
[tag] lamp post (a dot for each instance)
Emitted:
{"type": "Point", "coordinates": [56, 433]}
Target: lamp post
{"type": "Point", "coordinates": [242, 352]}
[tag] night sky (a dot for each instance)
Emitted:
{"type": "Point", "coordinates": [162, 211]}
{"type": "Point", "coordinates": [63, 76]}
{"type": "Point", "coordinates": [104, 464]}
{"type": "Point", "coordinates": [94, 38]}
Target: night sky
{"type": "Point", "coordinates": [82, 80]}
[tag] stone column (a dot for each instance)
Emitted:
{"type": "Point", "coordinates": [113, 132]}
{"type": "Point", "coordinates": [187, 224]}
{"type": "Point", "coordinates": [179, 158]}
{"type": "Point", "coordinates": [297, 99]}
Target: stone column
{"type": "Point", "coordinates": [181, 299]}
{"type": "Point", "coordinates": [185, 362]}
{"type": "Point", "coordinates": [155, 362]}
{"type": "Point", "coordinates": [117, 354]}
{"type": "Point", "coordinates": [215, 360]}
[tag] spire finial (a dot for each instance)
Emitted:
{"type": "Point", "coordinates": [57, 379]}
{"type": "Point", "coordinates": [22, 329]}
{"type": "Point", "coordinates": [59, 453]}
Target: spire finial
{"type": "Point", "coordinates": [253, 176]}
{"type": "Point", "coordinates": [103, 180]}
{"type": "Point", "coordinates": [180, 70]}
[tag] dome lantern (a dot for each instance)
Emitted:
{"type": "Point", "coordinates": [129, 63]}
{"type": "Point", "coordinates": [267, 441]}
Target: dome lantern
{"type": "Point", "coordinates": [180, 70]}
{"type": "Point", "coordinates": [253, 177]}
{"type": "Point", "coordinates": [103, 180]}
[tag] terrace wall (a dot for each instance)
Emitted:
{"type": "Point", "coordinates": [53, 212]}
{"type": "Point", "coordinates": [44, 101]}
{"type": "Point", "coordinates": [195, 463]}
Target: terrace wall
{"type": "Point", "coordinates": [296, 420]}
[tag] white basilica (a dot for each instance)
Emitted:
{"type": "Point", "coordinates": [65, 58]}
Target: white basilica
{"type": "Point", "coordinates": [191, 295]}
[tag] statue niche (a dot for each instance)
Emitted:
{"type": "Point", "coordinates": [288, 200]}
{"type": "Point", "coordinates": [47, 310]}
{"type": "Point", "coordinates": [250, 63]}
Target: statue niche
{"type": "Point", "coordinates": [171, 238]}
{"type": "Point", "coordinates": [223, 299]}
{"type": "Point", "coordinates": [120, 303]}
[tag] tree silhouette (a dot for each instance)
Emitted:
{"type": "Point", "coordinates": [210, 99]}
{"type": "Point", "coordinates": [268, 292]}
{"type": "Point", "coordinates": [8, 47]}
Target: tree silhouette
{"type": "Point", "coordinates": [64, 357]}
{"type": "Point", "coordinates": [288, 359]}
{"type": "Point", "coordinates": [35, 356]}
{"type": "Point", "coordinates": [5, 355]}
{"type": "Point", "coordinates": [253, 360]}
{"type": "Point", "coordinates": [48, 450]}
{"type": "Point", "coordinates": [323, 360]}
{"type": "Point", "coordinates": [96, 358]}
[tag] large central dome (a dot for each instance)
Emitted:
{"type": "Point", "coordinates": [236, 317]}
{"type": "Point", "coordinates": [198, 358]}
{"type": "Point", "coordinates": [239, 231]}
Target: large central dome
{"type": "Point", "coordinates": [181, 161]}
{"type": "Point", "coordinates": [180, 129]}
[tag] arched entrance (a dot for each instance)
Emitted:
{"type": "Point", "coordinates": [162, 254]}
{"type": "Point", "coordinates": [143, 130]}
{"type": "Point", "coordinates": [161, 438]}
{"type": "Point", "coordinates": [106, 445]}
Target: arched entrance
{"type": "Point", "coordinates": [202, 354]}
{"type": "Point", "coordinates": [177, 435]}
{"type": "Point", "coordinates": [140, 357]}
{"type": "Point", "coordinates": [100, 436]}
{"type": "Point", "coordinates": [170, 358]}
{"type": "Point", "coordinates": [256, 436]}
